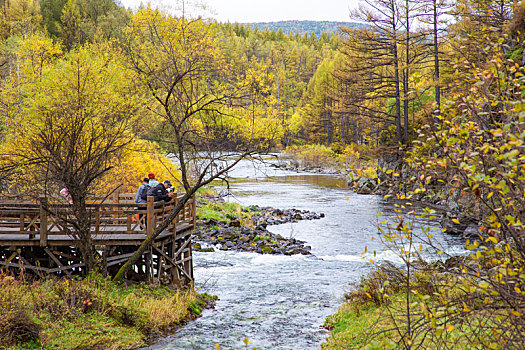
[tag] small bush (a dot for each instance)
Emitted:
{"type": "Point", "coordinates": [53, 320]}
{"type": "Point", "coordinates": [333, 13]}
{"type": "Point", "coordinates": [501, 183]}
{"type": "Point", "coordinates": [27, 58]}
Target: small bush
{"type": "Point", "coordinates": [314, 155]}
{"type": "Point", "coordinates": [17, 326]}
{"type": "Point", "coordinates": [378, 285]}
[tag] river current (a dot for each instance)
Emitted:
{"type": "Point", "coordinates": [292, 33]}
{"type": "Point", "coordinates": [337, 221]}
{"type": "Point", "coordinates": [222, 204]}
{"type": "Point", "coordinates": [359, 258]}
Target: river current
{"type": "Point", "coordinates": [281, 302]}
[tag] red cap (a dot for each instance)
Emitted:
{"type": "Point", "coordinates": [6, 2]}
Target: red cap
{"type": "Point", "coordinates": [151, 176]}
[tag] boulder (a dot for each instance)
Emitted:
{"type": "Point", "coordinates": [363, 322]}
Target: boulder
{"type": "Point", "coordinates": [365, 185]}
{"type": "Point", "coordinates": [235, 223]}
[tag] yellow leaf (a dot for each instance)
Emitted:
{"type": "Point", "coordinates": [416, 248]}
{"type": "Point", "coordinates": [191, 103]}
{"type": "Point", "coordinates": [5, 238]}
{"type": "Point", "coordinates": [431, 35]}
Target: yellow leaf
{"type": "Point", "coordinates": [466, 308]}
{"type": "Point", "coordinates": [450, 328]}
{"type": "Point", "coordinates": [492, 239]}
{"type": "Point", "coordinates": [455, 221]}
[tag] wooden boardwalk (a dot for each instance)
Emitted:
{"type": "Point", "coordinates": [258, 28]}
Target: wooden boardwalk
{"type": "Point", "coordinates": [35, 236]}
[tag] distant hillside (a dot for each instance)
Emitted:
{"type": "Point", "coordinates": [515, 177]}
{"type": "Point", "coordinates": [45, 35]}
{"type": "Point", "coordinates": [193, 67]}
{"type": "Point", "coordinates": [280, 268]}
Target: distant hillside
{"type": "Point", "coordinates": [301, 27]}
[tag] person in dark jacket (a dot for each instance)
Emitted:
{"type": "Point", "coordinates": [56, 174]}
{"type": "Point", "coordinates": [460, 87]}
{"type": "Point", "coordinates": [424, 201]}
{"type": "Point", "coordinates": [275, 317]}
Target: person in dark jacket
{"type": "Point", "coordinates": [160, 192]}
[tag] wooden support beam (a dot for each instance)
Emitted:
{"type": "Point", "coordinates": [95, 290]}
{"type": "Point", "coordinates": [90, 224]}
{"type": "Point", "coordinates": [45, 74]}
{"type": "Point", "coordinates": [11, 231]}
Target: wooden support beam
{"type": "Point", "coordinates": [122, 256]}
{"type": "Point", "coordinates": [55, 259]}
{"type": "Point", "coordinates": [188, 240]}
{"type": "Point", "coordinates": [68, 267]}
{"type": "Point", "coordinates": [173, 263]}
{"type": "Point", "coordinates": [11, 257]}
{"type": "Point", "coordinates": [27, 267]}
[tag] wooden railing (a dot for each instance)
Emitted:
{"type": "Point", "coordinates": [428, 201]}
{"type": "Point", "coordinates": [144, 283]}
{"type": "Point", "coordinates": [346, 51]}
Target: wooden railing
{"type": "Point", "coordinates": [115, 218]}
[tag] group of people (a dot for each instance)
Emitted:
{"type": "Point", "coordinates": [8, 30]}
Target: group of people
{"type": "Point", "coordinates": [152, 188]}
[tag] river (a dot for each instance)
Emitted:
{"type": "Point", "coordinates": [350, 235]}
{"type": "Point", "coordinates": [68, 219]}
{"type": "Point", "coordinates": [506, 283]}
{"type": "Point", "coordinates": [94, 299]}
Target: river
{"type": "Point", "coordinates": [281, 302]}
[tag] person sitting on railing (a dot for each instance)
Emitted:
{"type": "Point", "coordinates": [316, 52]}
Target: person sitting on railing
{"type": "Point", "coordinates": [160, 192]}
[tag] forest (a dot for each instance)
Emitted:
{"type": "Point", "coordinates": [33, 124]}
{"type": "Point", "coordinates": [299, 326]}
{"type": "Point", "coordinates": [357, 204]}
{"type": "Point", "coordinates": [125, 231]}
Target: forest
{"type": "Point", "coordinates": [93, 96]}
{"type": "Point", "coordinates": [301, 27]}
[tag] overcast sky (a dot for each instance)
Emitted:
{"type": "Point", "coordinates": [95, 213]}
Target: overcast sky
{"type": "Point", "coordinates": [270, 10]}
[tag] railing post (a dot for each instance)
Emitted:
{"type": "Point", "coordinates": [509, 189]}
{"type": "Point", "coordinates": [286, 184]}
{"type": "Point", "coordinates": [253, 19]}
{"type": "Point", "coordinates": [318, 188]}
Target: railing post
{"type": "Point", "coordinates": [193, 210]}
{"type": "Point", "coordinates": [115, 208]}
{"type": "Point", "coordinates": [149, 215]}
{"type": "Point", "coordinates": [116, 196]}
{"type": "Point", "coordinates": [43, 221]}
{"type": "Point", "coordinates": [175, 219]}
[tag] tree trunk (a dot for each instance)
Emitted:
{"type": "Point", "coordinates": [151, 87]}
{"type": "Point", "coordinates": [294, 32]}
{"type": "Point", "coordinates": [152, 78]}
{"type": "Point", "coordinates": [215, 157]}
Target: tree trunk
{"type": "Point", "coordinates": [406, 73]}
{"type": "Point", "coordinates": [436, 60]}
{"type": "Point", "coordinates": [399, 134]}
{"type": "Point", "coordinates": [151, 238]}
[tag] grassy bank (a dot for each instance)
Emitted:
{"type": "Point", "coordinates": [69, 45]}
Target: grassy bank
{"type": "Point", "coordinates": [443, 314]}
{"type": "Point", "coordinates": [226, 212]}
{"type": "Point", "coordinates": [92, 313]}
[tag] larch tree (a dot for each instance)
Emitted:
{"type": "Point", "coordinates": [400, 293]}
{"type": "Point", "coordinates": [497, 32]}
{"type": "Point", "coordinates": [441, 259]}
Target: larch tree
{"type": "Point", "coordinates": [376, 48]}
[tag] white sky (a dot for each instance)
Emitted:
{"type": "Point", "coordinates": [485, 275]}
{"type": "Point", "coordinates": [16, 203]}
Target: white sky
{"type": "Point", "coordinates": [268, 10]}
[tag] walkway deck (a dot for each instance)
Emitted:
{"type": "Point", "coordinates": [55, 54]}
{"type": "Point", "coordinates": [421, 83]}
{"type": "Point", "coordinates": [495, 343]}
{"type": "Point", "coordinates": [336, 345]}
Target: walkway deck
{"type": "Point", "coordinates": [36, 235]}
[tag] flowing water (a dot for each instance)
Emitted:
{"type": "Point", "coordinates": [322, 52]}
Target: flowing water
{"type": "Point", "coordinates": [281, 302]}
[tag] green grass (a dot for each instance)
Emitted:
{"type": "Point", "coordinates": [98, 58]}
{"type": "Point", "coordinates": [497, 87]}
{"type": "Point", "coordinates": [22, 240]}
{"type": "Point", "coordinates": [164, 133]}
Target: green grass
{"type": "Point", "coordinates": [225, 212]}
{"type": "Point", "coordinates": [350, 327]}
{"type": "Point", "coordinates": [373, 316]}
{"type": "Point", "coordinates": [92, 313]}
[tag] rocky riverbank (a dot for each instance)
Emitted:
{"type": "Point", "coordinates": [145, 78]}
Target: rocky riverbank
{"type": "Point", "coordinates": [253, 235]}
{"type": "Point", "coordinates": [358, 183]}
{"type": "Point", "coordinates": [296, 167]}
{"type": "Point", "coordinates": [457, 216]}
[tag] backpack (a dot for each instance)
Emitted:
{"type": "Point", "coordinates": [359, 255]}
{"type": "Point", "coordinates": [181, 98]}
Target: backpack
{"type": "Point", "coordinates": [144, 192]}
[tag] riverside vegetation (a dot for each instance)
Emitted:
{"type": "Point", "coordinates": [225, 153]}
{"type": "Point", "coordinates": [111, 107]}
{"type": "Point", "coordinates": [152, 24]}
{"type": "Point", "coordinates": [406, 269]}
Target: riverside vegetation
{"type": "Point", "coordinates": [90, 313]}
{"type": "Point", "coordinates": [468, 160]}
{"type": "Point", "coordinates": [230, 226]}
{"type": "Point", "coordinates": [433, 89]}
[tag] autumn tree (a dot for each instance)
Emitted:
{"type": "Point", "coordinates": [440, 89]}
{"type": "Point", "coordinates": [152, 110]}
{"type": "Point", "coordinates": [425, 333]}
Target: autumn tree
{"type": "Point", "coordinates": [18, 17]}
{"type": "Point", "coordinates": [433, 14]}
{"type": "Point", "coordinates": [75, 125]}
{"type": "Point", "coordinates": [472, 161]}
{"type": "Point", "coordinates": [79, 21]}
{"type": "Point", "coordinates": [376, 48]}
{"type": "Point", "coordinates": [178, 62]}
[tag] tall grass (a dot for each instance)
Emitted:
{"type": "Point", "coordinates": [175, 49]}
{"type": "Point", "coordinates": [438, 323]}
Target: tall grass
{"type": "Point", "coordinates": [92, 313]}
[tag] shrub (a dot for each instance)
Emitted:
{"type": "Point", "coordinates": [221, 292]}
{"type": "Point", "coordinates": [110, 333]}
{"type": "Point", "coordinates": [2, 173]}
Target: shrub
{"type": "Point", "coordinates": [16, 325]}
{"type": "Point", "coordinates": [378, 285]}
{"type": "Point", "coordinates": [313, 155]}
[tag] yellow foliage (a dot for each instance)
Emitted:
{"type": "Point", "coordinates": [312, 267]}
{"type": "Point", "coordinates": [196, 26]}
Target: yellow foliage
{"type": "Point", "coordinates": [141, 158]}
{"type": "Point", "coordinates": [35, 52]}
{"type": "Point", "coordinates": [313, 155]}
